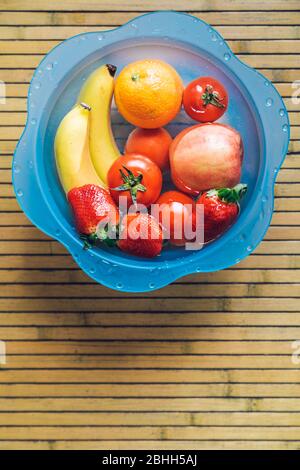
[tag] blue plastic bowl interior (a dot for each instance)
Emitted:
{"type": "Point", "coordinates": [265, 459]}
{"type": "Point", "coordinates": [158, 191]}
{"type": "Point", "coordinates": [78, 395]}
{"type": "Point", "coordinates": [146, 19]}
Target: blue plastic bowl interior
{"type": "Point", "coordinates": [194, 48]}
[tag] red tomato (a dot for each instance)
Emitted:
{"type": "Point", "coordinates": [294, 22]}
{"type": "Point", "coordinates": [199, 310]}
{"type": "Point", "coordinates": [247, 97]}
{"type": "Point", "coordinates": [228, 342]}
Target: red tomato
{"type": "Point", "coordinates": [153, 143]}
{"type": "Point", "coordinates": [205, 99]}
{"type": "Point", "coordinates": [137, 178]}
{"type": "Point", "coordinates": [178, 210]}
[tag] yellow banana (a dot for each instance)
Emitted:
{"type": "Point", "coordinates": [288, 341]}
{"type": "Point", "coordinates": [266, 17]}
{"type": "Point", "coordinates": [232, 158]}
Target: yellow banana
{"type": "Point", "coordinates": [97, 92]}
{"type": "Point", "coordinates": [71, 147]}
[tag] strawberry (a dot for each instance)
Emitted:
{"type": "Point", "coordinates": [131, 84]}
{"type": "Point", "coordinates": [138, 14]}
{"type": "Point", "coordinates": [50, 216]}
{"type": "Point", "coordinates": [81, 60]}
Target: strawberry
{"type": "Point", "coordinates": [140, 235]}
{"type": "Point", "coordinates": [91, 204]}
{"type": "Point", "coordinates": [221, 208]}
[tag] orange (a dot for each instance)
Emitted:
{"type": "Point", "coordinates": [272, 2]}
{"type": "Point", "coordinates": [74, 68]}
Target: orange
{"type": "Point", "coordinates": [148, 93]}
{"type": "Point", "coordinates": [152, 143]}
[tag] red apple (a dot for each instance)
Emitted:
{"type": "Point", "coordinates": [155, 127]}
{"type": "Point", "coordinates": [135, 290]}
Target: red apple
{"type": "Point", "coordinates": [206, 156]}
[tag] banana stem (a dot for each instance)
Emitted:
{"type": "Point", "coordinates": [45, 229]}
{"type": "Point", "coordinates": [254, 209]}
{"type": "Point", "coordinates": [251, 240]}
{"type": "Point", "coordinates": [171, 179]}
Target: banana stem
{"type": "Point", "coordinates": [85, 106]}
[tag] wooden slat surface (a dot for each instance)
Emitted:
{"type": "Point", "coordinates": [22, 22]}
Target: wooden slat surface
{"type": "Point", "coordinates": [205, 363]}
{"type": "Point", "coordinates": [129, 5]}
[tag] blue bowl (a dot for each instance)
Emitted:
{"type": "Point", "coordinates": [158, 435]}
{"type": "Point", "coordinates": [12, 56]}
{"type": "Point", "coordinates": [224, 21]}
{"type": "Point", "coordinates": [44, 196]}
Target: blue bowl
{"type": "Point", "coordinates": [194, 48]}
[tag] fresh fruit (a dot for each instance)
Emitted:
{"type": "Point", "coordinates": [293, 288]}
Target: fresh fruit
{"type": "Point", "coordinates": [92, 204]}
{"type": "Point", "coordinates": [153, 143]}
{"type": "Point", "coordinates": [148, 93]}
{"type": "Point", "coordinates": [206, 156]}
{"type": "Point", "coordinates": [71, 148]}
{"type": "Point", "coordinates": [176, 211]}
{"type": "Point", "coordinates": [97, 93]}
{"type": "Point", "coordinates": [221, 208]}
{"type": "Point", "coordinates": [205, 99]}
{"type": "Point", "coordinates": [140, 235]}
{"type": "Point", "coordinates": [135, 177]}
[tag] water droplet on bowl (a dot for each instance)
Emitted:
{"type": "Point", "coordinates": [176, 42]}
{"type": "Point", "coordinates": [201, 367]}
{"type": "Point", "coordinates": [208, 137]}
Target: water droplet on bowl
{"type": "Point", "coordinates": [242, 237]}
{"type": "Point", "coordinates": [267, 83]}
{"type": "Point", "coordinates": [226, 56]}
{"type": "Point", "coordinates": [269, 102]}
{"type": "Point", "coordinates": [119, 285]}
{"type": "Point", "coordinates": [285, 128]}
{"type": "Point", "coordinates": [107, 263]}
{"type": "Point", "coordinates": [264, 199]}
{"type": "Point", "coordinates": [100, 37]}
{"type": "Point", "coordinates": [198, 269]}
{"type": "Point", "coordinates": [37, 85]}
{"type": "Point", "coordinates": [281, 112]}
{"type": "Point", "coordinates": [92, 270]}
{"type": "Point", "coordinates": [33, 121]}
{"type": "Point", "coordinates": [107, 266]}
{"type": "Point", "coordinates": [19, 192]}
{"type": "Point", "coordinates": [30, 164]}
{"type": "Point", "coordinates": [249, 248]}
{"type": "Point", "coordinates": [214, 37]}
{"type": "Point", "coordinates": [49, 66]}
{"type": "Point", "coordinates": [57, 232]}
{"type": "Point", "coordinates": [151, 285]}
{"type": "Point", "coordinates": [17, 168]}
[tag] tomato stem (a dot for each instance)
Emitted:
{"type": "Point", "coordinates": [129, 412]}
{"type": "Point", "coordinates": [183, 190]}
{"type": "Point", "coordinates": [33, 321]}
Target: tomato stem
{"type": "Point", "coordinates": [132, 183]}
{"type": "Point", "coordinates": [212, 97]}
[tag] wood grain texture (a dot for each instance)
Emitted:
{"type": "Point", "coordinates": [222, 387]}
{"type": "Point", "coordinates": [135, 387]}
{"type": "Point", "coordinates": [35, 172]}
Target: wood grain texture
{"type": "Point", "coordinates": [205, 363]}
